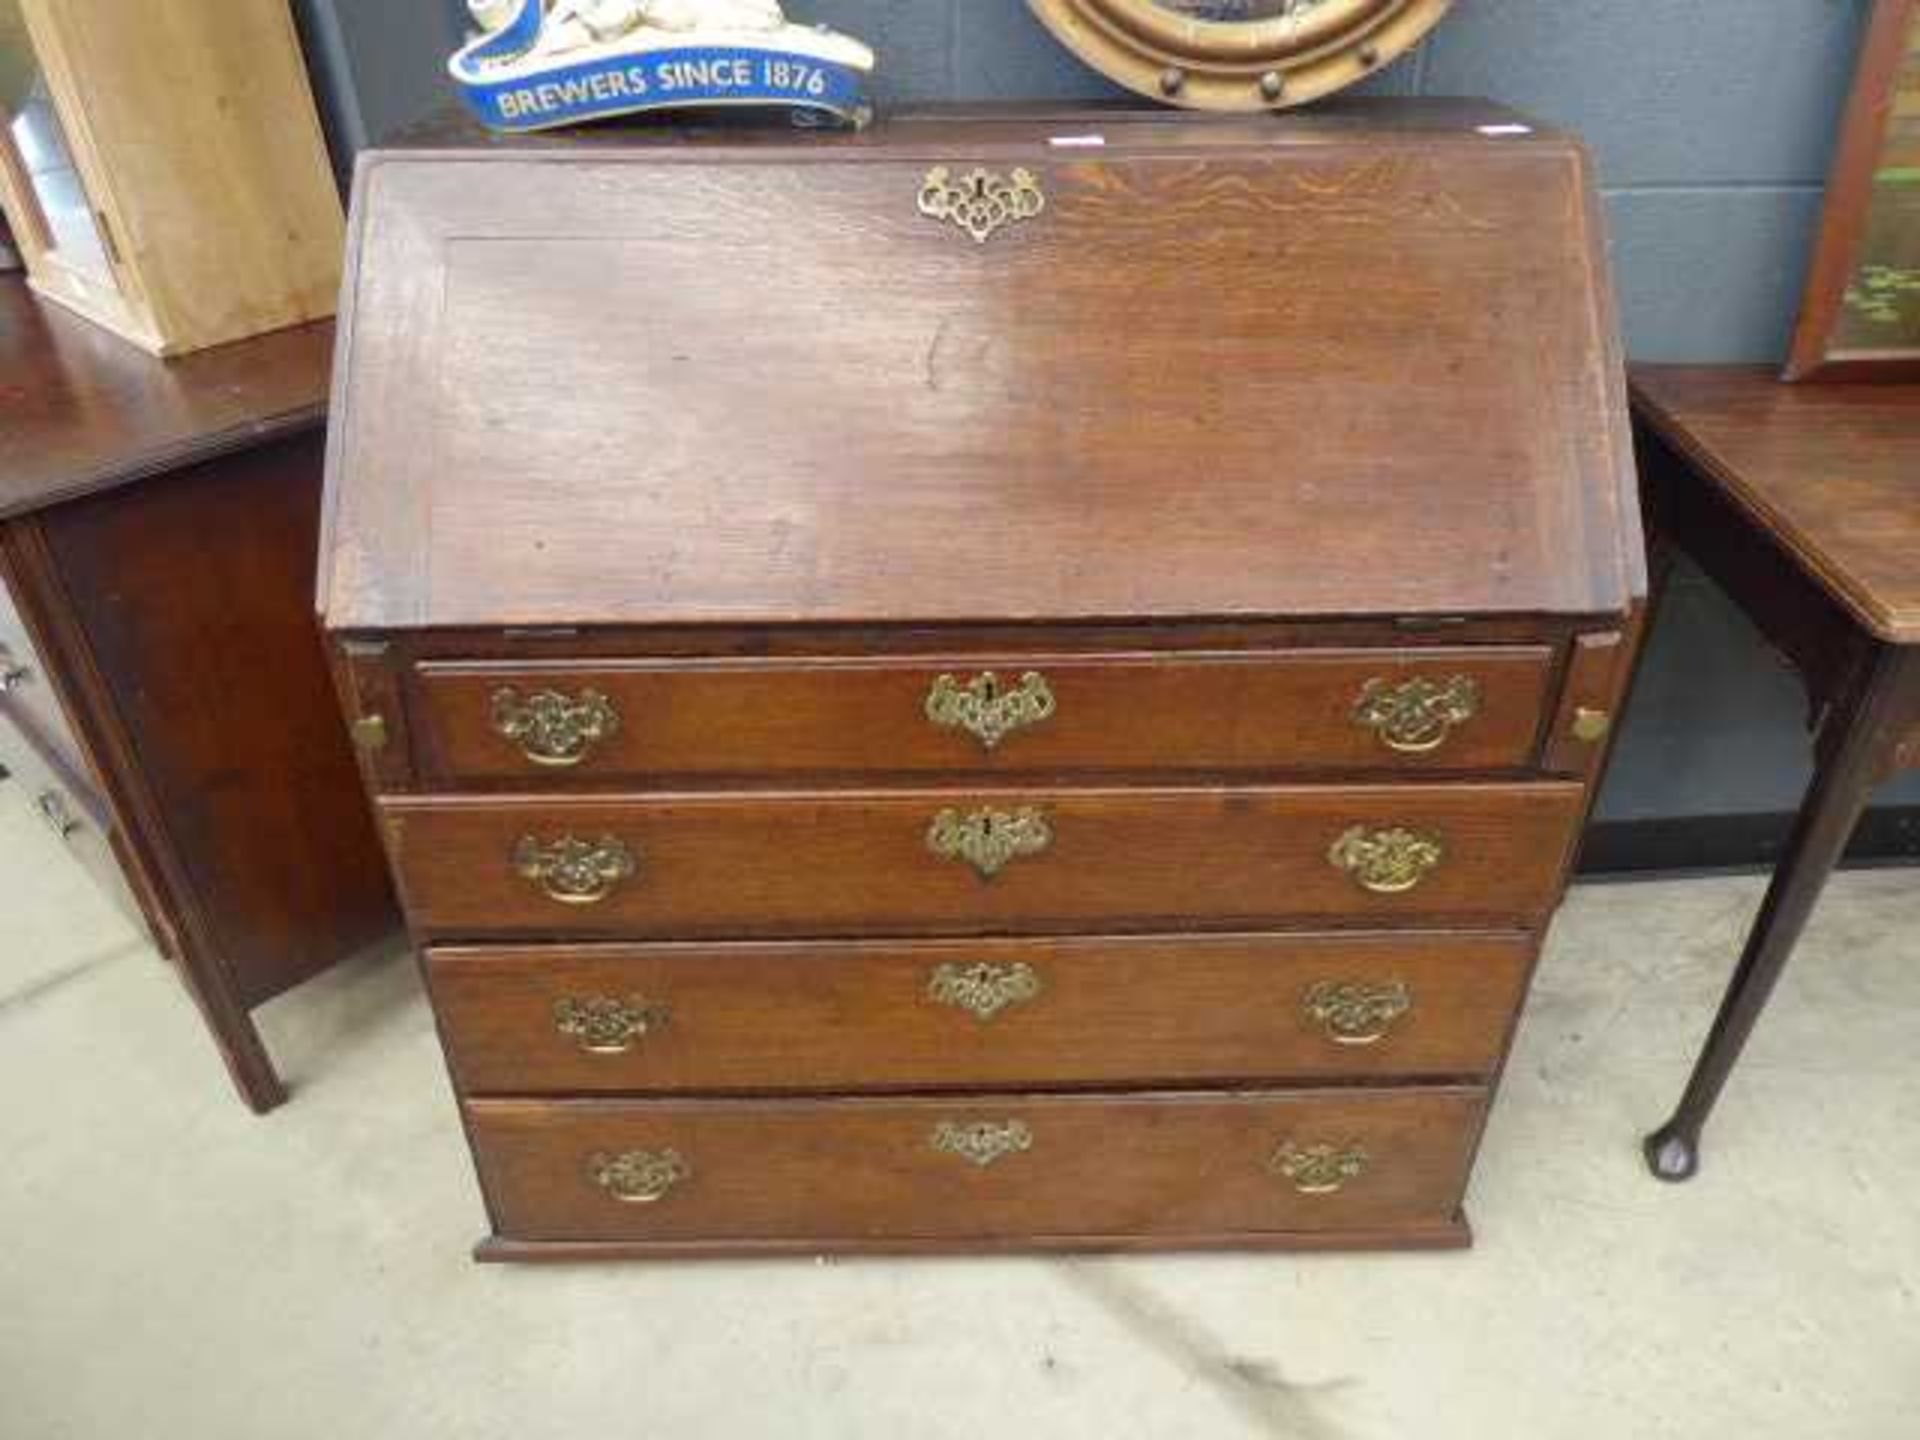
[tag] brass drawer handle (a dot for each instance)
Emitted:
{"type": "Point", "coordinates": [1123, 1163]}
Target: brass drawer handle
{"type": "Point", "coordinates": [1357, 1012]}
{"type": "Point", "coordinates": [1416, 716]}
{"type": "Point", "coordinates": [370, 733]}
{"type": "Point", "coordinates": [980, 202]}
{"type": "Point", "coordinates": [988, 710]}
{"type": "Point", "coordinates": [1318, 1169]}
{"type": "Point", "coordinates": [1387, 861]}
{"type": "Point", "coordinates": [983, 989]}
{"type": "Point", "coordinates": [52, 806]}
{"type": "Point", "coordinates": [982, 1142]}
{"type": "Point", "coordinates": [574, 871]}
{"type": "Point", "coordinates": [606, 1026]}
{"type": "Point", "coordinates": [988, 839]}
{"type": "Point", "coordinates": [552, 728]}
{"type": "Point", "coordinates": [638, 1177]}
{"type": "Point", "coordinates": [1591, 726]}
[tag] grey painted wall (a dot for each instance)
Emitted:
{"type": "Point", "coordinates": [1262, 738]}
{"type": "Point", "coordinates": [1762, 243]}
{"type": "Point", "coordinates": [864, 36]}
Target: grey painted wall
{"type": "Point", "coordinates": [1712, 121]}
{"type": "Point", "coordinates": [377, 64]}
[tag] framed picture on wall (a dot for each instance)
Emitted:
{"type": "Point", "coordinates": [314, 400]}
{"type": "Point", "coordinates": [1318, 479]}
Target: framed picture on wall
{"type": "Point", "coordinates": [1861, 316]}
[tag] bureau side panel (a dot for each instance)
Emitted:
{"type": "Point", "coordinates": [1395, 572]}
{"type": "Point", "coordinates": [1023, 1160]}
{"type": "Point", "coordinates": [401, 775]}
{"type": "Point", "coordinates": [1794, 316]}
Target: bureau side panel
{"type": "Point", "coordinates": [193, 592]}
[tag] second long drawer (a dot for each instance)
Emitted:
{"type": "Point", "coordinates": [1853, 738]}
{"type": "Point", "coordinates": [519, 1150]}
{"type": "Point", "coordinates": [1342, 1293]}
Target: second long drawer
{"type": "Point", "coordinates": [842, 1015]}
{"type": "Point", "coordinates": [689, 866]}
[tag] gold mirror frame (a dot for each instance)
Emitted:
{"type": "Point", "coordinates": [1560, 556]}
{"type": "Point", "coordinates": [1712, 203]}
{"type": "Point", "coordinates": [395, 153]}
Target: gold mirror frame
{"type": "Point", "coordinates": [1268, 64]}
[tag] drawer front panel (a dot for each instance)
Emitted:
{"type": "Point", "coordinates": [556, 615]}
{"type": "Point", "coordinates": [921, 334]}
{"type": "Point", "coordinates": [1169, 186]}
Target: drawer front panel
{"type": "Point", "coordinates": [928, 861]}
{"type": "Point", "coordinates": [601, 722]}
{"type": "Point", "coordinates": [27, 689]}
{"type": "Point", "coordinates": [974, 1167]}
{"type": "Point", "coordinates": [975, 1014]}
{"type": "Point", "coordinates": [71, 811]}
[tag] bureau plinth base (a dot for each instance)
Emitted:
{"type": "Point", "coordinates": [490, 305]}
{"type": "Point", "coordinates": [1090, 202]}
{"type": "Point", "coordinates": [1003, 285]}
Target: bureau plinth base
{"type": "Point", "coordinates": [1456, 1234]}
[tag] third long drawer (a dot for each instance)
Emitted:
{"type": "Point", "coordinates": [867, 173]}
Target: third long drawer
{"type": "Point", "coordinates": [1101, 1010]}
{"type": "Point", "coordinates": [970, 861]}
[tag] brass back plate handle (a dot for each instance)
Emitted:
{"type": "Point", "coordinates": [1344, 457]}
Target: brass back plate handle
{"type": "Point", "coordinates": [988, 709]}
{"type": "Point", "coordinates": [573, 871]}
{"type": "Point", "coordinates": [638, 1177]}
{"type": "Point", "coordinates": [981, 1142]}
{"type": "Point", "coordinates": [1415, 717]}
{"type": "Point", "coordinates": [552, 728]}
{"type": "Point", "coordinates": [604, 1025]}
{"type": "Point", "coordinates": [1357, 1012]}
{"type": "Point", "coordinates": [989, 839]}
{"type": "Point", "coordinates": [1319, 1169]}
{"type": "Point", "coordinates": [980, 202]}
{"type": "Point", "coordinates": [983, 989]}
{"type": "Point", "coordinates": [1387, 860]}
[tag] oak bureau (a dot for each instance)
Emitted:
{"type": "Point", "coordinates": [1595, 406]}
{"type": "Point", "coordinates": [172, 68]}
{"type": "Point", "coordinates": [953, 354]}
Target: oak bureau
{"type": "Point", "coordinates": [935, 689]}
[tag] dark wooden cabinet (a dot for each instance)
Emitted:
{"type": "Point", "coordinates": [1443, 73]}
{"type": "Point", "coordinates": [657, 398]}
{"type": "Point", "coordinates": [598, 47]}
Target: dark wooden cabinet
{"type": "Point", "coordinates": [1065, 732]}
{"type": "Point", "coordinates": [166, 699]}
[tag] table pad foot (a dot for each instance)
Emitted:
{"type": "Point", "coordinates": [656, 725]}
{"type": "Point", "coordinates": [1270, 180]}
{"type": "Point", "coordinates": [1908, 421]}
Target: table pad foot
{"type": "Point", "coordinates": [1672, 1154]}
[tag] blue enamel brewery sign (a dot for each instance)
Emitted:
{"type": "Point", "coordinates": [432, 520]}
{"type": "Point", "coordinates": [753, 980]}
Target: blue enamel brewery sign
{"type": "Point", "coordinates": [513, 80]}
{"type": "Point", "coordinates": [621, 84]}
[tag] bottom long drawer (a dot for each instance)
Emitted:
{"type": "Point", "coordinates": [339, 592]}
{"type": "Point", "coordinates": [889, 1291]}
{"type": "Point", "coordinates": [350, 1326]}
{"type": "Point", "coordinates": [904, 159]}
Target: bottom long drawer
{"type": "Point", "coordinates": [1169, 1167]}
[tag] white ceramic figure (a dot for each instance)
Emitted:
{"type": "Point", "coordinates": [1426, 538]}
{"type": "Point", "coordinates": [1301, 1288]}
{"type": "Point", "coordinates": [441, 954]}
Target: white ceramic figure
{"type": "Point", "coordinates": [571, 24]}
{"type": "Point", "coordinates": [684, 15]}
{"type": "Point", "coordinates": [492, 15]}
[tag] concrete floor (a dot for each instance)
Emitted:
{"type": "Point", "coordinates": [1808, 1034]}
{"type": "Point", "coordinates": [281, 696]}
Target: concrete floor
{"type": "Point", "coordinates": [178, 1268]}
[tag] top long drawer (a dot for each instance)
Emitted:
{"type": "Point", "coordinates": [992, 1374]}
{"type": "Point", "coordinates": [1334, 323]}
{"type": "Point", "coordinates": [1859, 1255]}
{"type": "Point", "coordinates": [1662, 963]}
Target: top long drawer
{"type": "Point", "coordinates": [618, 722]}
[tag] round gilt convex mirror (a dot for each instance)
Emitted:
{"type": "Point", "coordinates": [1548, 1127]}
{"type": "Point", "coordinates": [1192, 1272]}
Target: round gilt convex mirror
{"type": "Point", "coordinates": [1238, 54]}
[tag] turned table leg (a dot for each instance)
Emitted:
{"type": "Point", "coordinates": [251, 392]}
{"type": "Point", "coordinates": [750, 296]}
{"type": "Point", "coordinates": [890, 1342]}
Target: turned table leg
{"type": "Point", "coordinates": [1868, 724]}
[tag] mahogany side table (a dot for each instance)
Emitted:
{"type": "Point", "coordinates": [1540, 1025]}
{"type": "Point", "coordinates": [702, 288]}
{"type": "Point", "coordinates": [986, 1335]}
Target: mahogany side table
{"type": "Point", "coordinates": [164, 698]}
{"type": "Point", "coordinates": [1803, 503]}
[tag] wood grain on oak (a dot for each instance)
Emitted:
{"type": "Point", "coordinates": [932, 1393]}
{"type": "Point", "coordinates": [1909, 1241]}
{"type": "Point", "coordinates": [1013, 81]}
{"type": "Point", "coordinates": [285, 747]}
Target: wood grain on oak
{"type": "Point", "coordinates": [1163, 1165]}
{"type": "Point", "coordinates": [874, 418]}
{"type": "Point", "coordinates": [158, 528]}
{"type": "Point", "coordinates": [1282, 711]}
{"type": "Point", "coordinates": [688, 485]}
{"type": "Point", "coordinates": [85, 410]}
{"type": "Point", "coordinates": [844, 1015]}
{"type": "Point", "coordinates": [1829, 472]}
{"type": "Point", "coordinates": [860, 862]}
